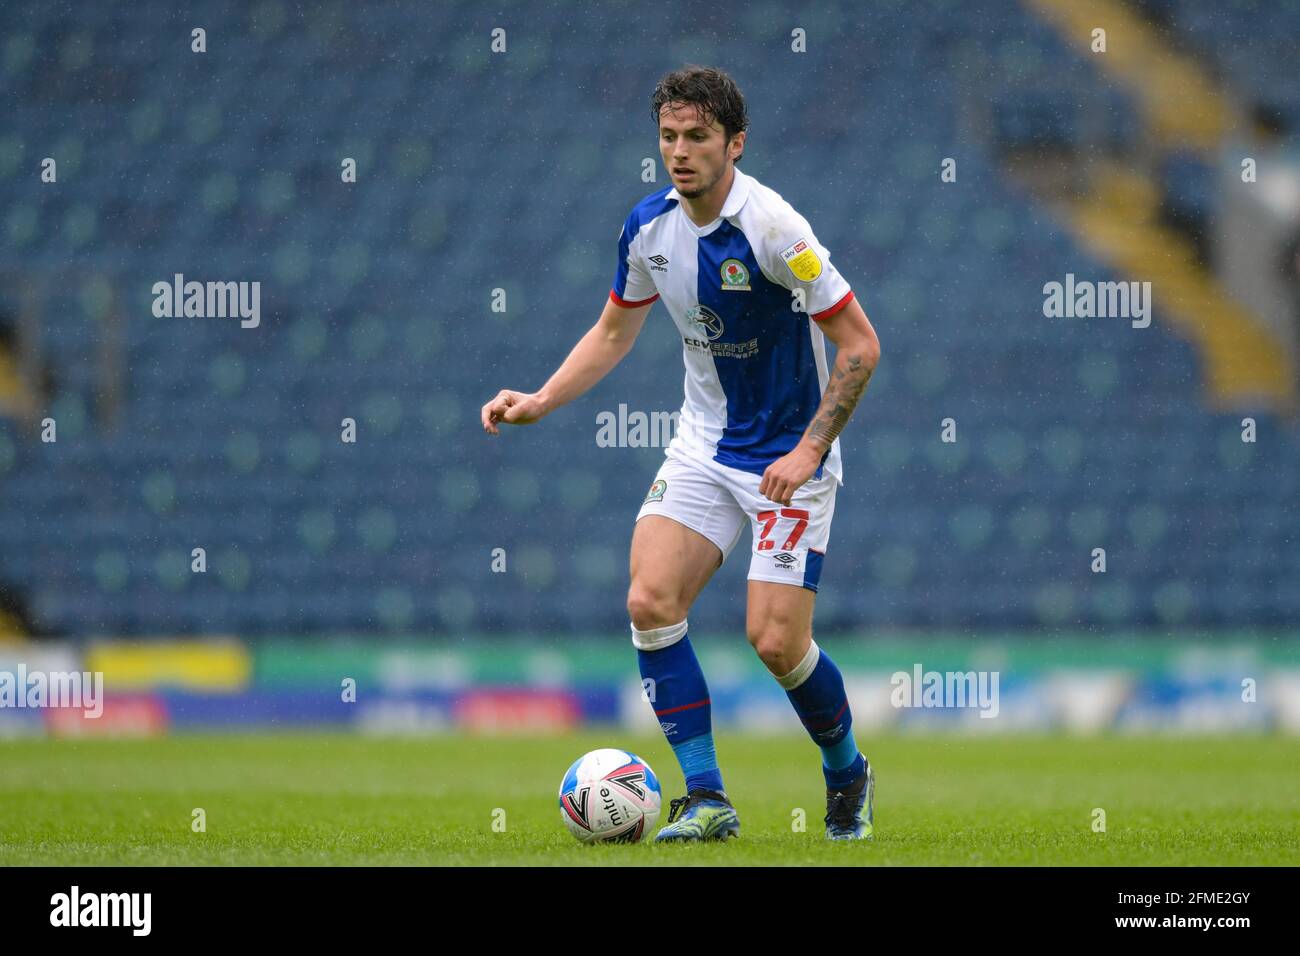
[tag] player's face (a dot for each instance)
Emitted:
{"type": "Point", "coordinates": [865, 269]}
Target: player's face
{"type": "Point", "coordinates": [695, 155]}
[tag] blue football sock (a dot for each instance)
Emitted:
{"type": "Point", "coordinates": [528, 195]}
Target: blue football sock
{"type": "Point", "coordinates": [816, 689]}
{"type": "Point", "coordinates": [844, 777]}
{"type": "Point", "coordinates": [699, 763]}
{"type": "Point", "coordinates": [674, 684]}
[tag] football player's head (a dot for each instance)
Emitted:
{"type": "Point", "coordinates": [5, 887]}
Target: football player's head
{"type": "Point", "coordinates": [701, 117]}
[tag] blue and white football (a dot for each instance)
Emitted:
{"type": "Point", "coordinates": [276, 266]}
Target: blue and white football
{"type": "Point", "coordinates": [610, 795]}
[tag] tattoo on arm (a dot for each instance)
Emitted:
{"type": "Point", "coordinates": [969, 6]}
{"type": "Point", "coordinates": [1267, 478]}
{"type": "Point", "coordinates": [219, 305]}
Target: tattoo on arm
{"type": "Point", "coordinates": [848, 380]}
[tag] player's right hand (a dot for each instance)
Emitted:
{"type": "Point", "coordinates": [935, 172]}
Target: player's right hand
{"type": "Point", "coordinates": [513, 408]}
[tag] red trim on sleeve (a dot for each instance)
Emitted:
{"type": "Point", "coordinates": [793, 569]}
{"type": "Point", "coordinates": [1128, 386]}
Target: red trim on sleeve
{"type": "Point", "coordinates": [827, 313]}
{"type": "Point", "coordinates": [628, 303]}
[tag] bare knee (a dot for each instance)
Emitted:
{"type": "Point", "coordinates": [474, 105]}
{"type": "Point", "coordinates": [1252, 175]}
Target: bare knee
{"type": "Point", "coordinates": [651, 607]}
{"type": "Point", "coordinates": [778, 648]}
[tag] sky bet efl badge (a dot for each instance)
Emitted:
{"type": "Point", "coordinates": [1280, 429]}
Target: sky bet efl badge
{"type": "Point", "coordinates": [803, 262]}
{"type": "Point", "coordinates": [735, 277]}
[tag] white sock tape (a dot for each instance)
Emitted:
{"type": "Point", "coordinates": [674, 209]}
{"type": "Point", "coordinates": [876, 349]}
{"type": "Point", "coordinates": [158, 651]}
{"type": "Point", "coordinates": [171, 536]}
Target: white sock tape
{"type": "Point", "coordinates": [801, 670]}
{"type": "Point", "coordinates": [658, 638]}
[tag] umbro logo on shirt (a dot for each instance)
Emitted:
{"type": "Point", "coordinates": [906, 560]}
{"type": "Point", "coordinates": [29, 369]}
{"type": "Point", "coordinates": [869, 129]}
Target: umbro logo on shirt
{"type": "Point", "coordinates": [659, 263]}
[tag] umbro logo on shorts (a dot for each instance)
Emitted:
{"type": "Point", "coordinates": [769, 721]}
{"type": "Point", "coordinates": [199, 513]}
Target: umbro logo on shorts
{"type": "Point", "coordinates": [784, 557]}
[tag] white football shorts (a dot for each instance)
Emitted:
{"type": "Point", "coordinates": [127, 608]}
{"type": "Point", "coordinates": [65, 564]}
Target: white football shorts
{"type": "Point", "coordinates": [788, 543]}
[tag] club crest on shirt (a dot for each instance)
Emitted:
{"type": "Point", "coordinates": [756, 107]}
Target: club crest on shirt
{"type": "Point", "coordinates": [803, 261]}
{"type": "Point", "coordinates": [735, 277]}
{"type": "Point", "coordinates": [657, 490]}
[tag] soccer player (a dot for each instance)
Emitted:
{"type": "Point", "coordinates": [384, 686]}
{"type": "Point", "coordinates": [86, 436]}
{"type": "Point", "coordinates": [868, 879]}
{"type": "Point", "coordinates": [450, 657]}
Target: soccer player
{"type": "Point", "coordinates": [754, 295]}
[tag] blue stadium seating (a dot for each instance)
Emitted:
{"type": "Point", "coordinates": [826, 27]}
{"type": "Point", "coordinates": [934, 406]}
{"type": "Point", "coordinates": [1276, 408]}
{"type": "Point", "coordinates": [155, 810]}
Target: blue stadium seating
{"type": "Point", "coordinates": [514, 171]}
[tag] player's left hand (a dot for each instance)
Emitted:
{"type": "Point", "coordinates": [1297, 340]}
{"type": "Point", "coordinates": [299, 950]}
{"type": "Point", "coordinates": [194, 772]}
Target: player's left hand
{"type": "Point", "coordinates": [788, 473]}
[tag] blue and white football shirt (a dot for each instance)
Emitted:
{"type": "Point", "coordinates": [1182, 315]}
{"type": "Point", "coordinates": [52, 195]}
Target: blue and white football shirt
{"type": "Point", "coordinates": [755, 367]}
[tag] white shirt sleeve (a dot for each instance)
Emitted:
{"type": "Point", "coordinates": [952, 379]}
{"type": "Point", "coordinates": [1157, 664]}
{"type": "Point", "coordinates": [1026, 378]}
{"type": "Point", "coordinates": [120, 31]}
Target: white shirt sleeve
{"type": "Point", "coordinates": [792, 257]}
{"type": "Point", "coordinates": [633, 284]}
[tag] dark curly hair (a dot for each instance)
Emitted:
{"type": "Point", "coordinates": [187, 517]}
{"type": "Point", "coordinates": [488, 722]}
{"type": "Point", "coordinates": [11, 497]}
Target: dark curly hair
{"type": "Point", "coordinates": [713, 92]}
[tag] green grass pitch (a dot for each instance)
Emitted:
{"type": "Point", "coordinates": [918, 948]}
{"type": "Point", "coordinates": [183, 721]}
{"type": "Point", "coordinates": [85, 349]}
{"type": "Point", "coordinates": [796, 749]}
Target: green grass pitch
{"type": "Point", "coordinates": [330, 799]}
